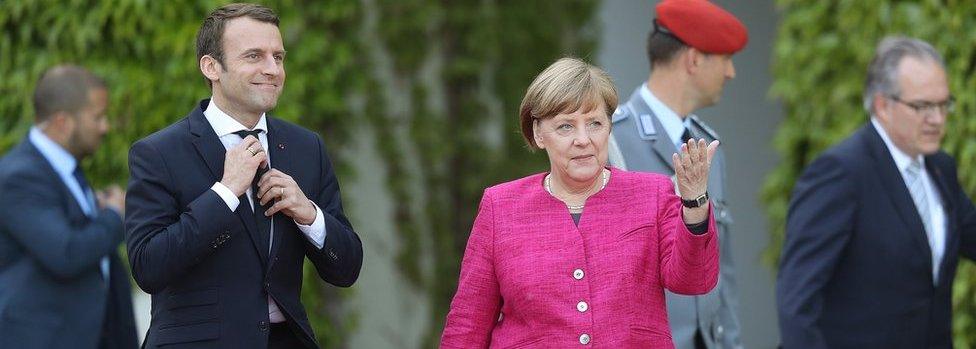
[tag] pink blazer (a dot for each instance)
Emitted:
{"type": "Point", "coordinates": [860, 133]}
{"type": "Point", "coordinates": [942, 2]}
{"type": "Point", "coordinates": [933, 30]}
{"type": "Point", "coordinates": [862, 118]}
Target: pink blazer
{"type": "Point", "coordinates": [531, 278]}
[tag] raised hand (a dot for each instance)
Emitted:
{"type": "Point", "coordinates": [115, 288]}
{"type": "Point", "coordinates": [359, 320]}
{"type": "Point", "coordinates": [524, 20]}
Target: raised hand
{"type": "Point", "coordinates": [241, 163]}
{"type": "Point", "coordinates": [112, 197]}
{"type": "Point", "coordinates": [691, 169]}
{"type": "Point", "coordinates": [278, 187]}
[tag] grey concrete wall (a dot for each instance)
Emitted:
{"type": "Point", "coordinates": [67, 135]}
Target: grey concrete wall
{"type": "Point", "coordinates": [745, 118]}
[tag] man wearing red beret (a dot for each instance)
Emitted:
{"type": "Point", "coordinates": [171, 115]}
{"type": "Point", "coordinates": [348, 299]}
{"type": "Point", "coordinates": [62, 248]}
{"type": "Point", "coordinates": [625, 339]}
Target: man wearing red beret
{"type": "Point", "coordinates": [690, 50]}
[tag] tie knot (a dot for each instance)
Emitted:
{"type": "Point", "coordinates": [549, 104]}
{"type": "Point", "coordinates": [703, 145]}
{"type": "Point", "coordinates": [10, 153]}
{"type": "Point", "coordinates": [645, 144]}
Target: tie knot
{"type": "Point", "coordinates": [244, 133]}
{"type": "Point", "coordinates": [914, 168]}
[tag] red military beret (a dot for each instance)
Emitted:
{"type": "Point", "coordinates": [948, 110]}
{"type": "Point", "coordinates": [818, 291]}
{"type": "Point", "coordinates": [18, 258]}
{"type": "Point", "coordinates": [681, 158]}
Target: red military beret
{"type": "Point", "coordinates": [702, 25]}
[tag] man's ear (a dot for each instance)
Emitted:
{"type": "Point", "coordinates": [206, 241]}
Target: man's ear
{"type": "Point", "coordinates": [880, 106]}
{"type": "Point", "coordinates": [692, 59]}
{"type": "Point", "coordinates": [60, 122]}
{"type": "Point", "coordinates": [210, 68]}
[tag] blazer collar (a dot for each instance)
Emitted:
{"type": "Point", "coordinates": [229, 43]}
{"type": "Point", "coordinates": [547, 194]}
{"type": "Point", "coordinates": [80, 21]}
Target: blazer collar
{"type": "Point", "coordinates": [650, 128]}
{"type": "Point", "coordinates": [895, 189]}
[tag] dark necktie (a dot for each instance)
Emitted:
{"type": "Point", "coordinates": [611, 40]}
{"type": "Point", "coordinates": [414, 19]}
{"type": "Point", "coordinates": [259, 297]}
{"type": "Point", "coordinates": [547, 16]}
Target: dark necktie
{"type": "Point", "coordinates": [83, 183]}
{"type": "Point", "coordinates": [263, 222]}
{"type": "Point", "coordinates": [261, 170]}
{"type": "Point", "coordinates": [686, 136]}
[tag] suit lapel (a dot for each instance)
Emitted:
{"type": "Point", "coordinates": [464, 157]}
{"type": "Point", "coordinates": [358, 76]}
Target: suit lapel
{"type": "Point", "coordinates": [896, 190]}
{"type": "Point", "coordinates": [281, 161]}
{"type": "Point", "coordinates": [74, 209]}
{"type": "Point", "coordinates": [941, 183]}
{"type": "Point", "coordinates": [661, 143]}
{"type": "Point", "coordinates": [209, 148]}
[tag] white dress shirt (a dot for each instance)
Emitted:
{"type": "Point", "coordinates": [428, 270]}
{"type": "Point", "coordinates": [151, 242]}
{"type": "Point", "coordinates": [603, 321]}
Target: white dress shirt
{"type": "Point", "coordinates": [225, 126]}
{"type": "Point", "coordinates": [937, 236]}
{"type": "Point", "coordinates": [64, 164]}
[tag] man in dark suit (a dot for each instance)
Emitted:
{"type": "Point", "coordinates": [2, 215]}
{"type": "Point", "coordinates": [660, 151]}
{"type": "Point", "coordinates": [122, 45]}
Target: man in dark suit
{"type": "Point", "coordinates": [225, 204]}
{"type": "Point", "coordinates": [877, 223]}
{"type": "Point", "coordinates": [61, 284]}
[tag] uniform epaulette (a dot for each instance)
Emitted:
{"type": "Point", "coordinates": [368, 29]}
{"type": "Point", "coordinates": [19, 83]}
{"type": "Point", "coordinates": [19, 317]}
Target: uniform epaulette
{"type": "Point", "coordinates": [701, 125]}
{"type": "Point", "coordinates": [618, 115]}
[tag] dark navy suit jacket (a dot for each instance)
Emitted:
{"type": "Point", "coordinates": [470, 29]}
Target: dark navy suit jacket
{"type": "Point", "coordinates": [856, 269]}
{"type": "Point", "coordinates": [52, 291]}
{"type": "Point", "coordinates": [208, 269]}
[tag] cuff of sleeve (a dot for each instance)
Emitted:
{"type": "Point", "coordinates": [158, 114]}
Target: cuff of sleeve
{"type": "Point", "coordinates": [699, 228]}
{"type": "Point", "coordinates": [315, 232]}
{"type": "Point", "coordinates": [228, 196]}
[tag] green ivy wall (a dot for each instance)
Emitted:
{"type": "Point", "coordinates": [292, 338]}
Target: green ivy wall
{"type": "Point", "coordinates": [446, 131]}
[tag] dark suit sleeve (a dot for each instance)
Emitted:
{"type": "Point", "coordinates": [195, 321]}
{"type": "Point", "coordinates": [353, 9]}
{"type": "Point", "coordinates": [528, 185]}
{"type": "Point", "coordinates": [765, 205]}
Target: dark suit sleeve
{"type": "Point", "coordinates": [966, 214]}
{"type": "Point", "coordinates": [818, 227]}
{"type": "Point", "coordinates": [967, 240]}
{"type": "Point", "coordinates": [164, 239]}
{"type": "Point", "coordinates": [340, 259]}
{"type": "Point", "coordinates": [31, 211]}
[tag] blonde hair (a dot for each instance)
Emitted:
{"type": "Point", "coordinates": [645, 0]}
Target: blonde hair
{"type": "Point", "coordinates": [566, 86]}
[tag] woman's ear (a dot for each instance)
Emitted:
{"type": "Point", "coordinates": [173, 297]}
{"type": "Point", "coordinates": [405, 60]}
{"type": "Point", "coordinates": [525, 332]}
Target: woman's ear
{"type": "Point", "coordinates": [537, 136]}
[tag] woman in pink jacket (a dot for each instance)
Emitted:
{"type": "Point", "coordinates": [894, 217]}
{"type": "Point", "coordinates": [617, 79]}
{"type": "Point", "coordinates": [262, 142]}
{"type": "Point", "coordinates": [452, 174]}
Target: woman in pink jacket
{"type": "Point", "coordinates": [580, 256]}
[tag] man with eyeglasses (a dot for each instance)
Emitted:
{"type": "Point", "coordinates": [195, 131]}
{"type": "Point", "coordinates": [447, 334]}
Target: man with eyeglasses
{"type": "Point", "coordinates": [877, 223]}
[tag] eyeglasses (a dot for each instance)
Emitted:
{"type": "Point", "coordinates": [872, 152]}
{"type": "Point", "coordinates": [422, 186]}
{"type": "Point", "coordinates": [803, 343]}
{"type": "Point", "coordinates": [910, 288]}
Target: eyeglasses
{"type": "Point", "coordinates": [927, 107]}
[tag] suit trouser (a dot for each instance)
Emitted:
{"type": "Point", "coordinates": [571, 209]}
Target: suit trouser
{"type": "Point", "coordinates": [282, 336]}
{"type": "Point", "coordinates": [107, 338]}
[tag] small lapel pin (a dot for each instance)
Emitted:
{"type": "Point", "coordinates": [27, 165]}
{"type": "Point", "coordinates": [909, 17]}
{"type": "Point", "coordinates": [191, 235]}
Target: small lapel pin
{"type": "Point", "coordinates": [281, 146]}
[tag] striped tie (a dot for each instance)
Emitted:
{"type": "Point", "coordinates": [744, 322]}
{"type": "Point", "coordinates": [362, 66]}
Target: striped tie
{"type": "Point", "coordinates": [916, 187]}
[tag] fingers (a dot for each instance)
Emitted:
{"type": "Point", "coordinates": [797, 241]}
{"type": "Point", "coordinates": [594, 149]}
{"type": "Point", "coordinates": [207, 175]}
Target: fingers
{"type": "Point", "coordinates": [249, 144]}
{"type": "Point", "coordinates": [249, 141]}
{"type": "Point", "coordinates": [686, 155]}
{"type": "Point", "coordinates": [278, 206]}
{"type": "Point", "coordinates": [286, 200]}
{"type": "Point", "coordinates": [695, 154]}
{"type": "Point", "coordinates": [272, 173]}
{"type": "Point", "coordinates": [272, 190]}
{"type": "Point", "coordinates": [679, 169]}
{"type": "Point", "coordinates": [701, 150]}
{"type": "Point", "coordinates": [257, 159]}
{"type": "Point", "coordinates": [712, 148]}
{"type": "Point", "coordinates": [249, 147]}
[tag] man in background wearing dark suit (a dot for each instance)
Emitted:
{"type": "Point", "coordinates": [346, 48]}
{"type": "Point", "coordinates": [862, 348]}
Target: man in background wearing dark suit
{"type": "Point", "coordinates": [61, 283]}
{"type": "Point", "coordinates": [877, 223]}
{"type": "Point", "coordinates": [225, 204]}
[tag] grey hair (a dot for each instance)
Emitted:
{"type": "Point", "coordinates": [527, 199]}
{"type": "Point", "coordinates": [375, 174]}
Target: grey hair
{"type": "Point", "coordinates": [883, 71]}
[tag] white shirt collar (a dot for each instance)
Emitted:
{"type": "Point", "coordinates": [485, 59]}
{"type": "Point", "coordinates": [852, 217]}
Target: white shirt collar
{"type": "Point", "coordinates": [673, 124]}
{"type": "Point", "coordinates": [224, 124]}
{"type": "Point", "coordinates": [902, 160]}
{"type": "Point", "coordinates": [62, 161]}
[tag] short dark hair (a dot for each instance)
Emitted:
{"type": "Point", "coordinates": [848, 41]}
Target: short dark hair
{"type": "Point", "coordinates": [210, 36]}
{"type": "Point", "coordinates": [662, 47]}
{"type": "Point", "coordinates": [64, 88]}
